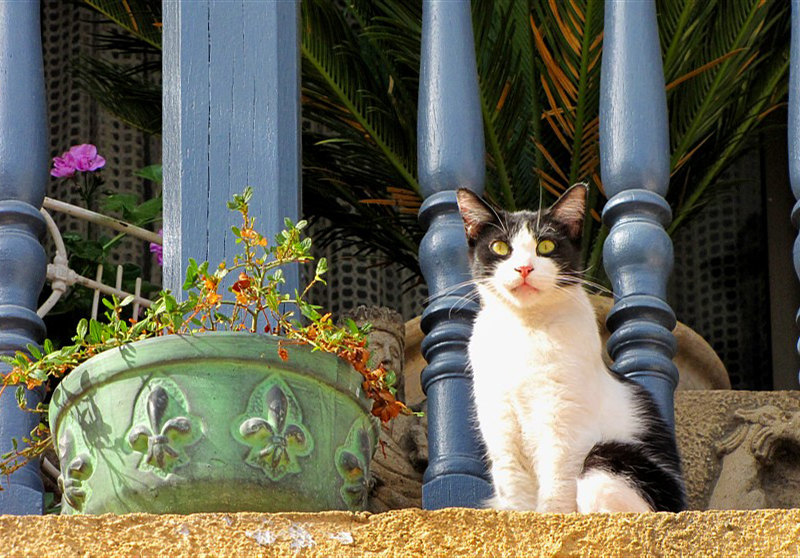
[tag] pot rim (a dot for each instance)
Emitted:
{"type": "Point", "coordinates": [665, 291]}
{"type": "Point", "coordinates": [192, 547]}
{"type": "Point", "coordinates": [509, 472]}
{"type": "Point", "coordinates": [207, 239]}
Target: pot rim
{"type": "Point", "coordinates": [238, 346]}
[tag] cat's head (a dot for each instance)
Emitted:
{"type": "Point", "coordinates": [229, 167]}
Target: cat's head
{"type": "Point", "coordinates": [524, 257]}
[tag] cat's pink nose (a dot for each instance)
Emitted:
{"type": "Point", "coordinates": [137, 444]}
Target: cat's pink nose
{"type": "Point", "coordinates": [524, 270]}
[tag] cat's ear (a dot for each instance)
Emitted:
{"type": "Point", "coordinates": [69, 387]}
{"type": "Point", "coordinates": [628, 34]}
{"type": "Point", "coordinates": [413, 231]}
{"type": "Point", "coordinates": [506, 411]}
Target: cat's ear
{"type": "Point", "coordinates": [570, 208]}
{"type": "Point", "coordinates": [474, 211]}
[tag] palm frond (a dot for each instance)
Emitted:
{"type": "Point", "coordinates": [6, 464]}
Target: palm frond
{"type": "Point", "coordinates": [343, 95]}
{"type": "Point", "coordinates": [360, 82]}
{"type": "Point", "coordinates": [141, 18]}
{"type": "Point", "coordinates": [725, 65]}
{"type": "Point", "coordinates": [122, 91]}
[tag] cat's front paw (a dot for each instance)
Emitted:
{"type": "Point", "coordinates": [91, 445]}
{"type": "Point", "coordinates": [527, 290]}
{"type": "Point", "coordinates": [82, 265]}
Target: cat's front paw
{"type": "Point", "coordinates": [556, 505]}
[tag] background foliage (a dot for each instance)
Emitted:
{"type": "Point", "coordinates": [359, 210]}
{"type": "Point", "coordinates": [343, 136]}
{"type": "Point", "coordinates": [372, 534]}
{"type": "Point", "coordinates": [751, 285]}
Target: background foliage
{"type": "Point", "coordinates": [725, 66]}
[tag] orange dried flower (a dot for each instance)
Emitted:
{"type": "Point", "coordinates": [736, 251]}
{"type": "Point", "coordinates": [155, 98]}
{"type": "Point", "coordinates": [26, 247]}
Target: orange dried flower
{"type": "Point", "coordinates": [209, 283]}
{"type": "Point", "coordinates": [283, 353]}
{"type": "Point", "coordinates": [32, 383]}
{"type": "Point", "coordinates": [242, 284]}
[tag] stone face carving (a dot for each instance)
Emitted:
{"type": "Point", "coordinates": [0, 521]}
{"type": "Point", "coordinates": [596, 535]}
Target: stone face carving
{"type": "Point", "coordinates": [749, 452]}
{"type": "Point", "coordinates": [402, 455]}
{"type": "Point", "coordinates": [386, 340]}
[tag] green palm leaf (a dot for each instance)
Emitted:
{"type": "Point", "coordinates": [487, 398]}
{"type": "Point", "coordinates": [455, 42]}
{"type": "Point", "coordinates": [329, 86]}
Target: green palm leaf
{"type": "Point", "coordinates": [123, 91]}
{"type": "Point", "coordinates": [140, 18]}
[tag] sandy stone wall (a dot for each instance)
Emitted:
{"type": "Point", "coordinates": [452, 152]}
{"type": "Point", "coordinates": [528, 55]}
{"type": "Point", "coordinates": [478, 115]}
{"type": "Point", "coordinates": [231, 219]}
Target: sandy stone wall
{"type": "Point", "coordinates": [451, 533]}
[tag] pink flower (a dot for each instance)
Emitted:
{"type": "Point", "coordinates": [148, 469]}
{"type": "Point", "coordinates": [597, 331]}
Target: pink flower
{"type": "Point", "coordinates": [81, 158]}
{"type": "Point", "coordinates": [63, 167]}
{"type": "Point", "coordinates": [158, 250]}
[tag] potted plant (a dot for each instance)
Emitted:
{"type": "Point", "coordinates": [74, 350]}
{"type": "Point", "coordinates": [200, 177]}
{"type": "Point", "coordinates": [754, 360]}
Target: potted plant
{"type": "Point", "coordinates": [210, 404]}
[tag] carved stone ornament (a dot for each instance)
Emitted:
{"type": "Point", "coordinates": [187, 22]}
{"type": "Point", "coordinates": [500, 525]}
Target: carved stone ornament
{"type": "Point", "coordinates": [72, 481]}
{"type": "Point", "coordinates": [163, 428]}
{"type": "Point", "coordinates": [273, 429]}
{"type": "Point", "coordinates": [750, 452]}
{"type": "Point", "coordinates": [399, 463]}
{"type": "Point", "coordinates": [352, 463]}
{"type": "Point", "coordinates": [386, 339]}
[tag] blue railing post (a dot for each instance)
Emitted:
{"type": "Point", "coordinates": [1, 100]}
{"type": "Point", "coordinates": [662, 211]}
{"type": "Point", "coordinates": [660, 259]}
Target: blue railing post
{"type": "Point", "coordinates": [634, 155]}
{"type": "Point", "coordinates": [794, 133]}
{"type": "Point", "coordinates": [23, 264]}
{"type": "Point", "coordinates": [231, 120]}
{"type": "Point", "coordinates": [451, 153]}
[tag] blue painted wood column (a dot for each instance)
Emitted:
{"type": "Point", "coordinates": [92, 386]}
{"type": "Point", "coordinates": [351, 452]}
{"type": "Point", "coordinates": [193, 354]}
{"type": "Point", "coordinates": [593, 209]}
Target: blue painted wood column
{"type": "Point", "coordinates": [23, 178]}
{"type": "Point", "coordinates": [451, 155]}
{"type": "Point", "coordinates": [634, 156]}
{"type": "Point", "coordinates": [794, 133]}
{"type": "Point", "coordinates": [231, 120]}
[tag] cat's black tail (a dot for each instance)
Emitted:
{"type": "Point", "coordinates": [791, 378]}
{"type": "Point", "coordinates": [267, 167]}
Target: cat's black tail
{"type": "Point", "coordinates": [652, 463]}
{"type": "Point", "coordinates": [654, 479]}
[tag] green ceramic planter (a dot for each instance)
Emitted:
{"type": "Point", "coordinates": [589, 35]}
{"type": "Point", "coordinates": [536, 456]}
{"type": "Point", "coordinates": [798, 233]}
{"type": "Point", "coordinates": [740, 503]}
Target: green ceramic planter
{"type": "Point", "coordinates": [211, 423]}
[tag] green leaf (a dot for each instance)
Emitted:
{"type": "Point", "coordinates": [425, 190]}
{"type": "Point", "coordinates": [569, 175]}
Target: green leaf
{"type": "Point", "coordinates": [351, 325]}
{"type": "Point", "coordinates": [83, 327]}
{"type": "Point", "coordinates": [390, 378]}
{"type": "Point", "coordinates": [34, 351]}
{"type": "Point", "coordinates": [322, 267]}
{"type": "Point", "coordinates": [95, 331]}
{"type": "Point", "coordinates": [154, 173]}
{"type": "Point", "coordinates": [127, 300]}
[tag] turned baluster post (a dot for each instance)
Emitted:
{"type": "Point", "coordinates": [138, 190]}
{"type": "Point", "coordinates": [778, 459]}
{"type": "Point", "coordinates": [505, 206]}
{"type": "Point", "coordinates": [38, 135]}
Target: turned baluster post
{"type": "Point", "coordinates": [451, 154]}
{"type": "Point", "coordinates": [794, 133]}
{"type": "Point", "coordinates": [634, 155]}
{"type": "Point", "coordinates": [23, 264]}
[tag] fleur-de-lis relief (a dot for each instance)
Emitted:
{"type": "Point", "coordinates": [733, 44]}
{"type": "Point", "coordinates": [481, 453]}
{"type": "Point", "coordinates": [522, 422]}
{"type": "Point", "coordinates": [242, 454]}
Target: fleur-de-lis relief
{"type": "Point", "coordinates": [71, 481]}
{"type": "Point", "coordinates": [277, 437]}
{"type": "Point", "coordinates": [163, 440]}
{"type": "Point", "coordinates": [352, 463]}
{"type": "Point", "coordinates": [73, 478]}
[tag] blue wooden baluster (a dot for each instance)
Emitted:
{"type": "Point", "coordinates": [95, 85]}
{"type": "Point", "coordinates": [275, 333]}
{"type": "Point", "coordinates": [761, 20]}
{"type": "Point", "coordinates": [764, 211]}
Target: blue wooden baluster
{"type": "Point", "coordinates": [794, 132]}
{"type": "Point", "coordinates": [231, 119]}
{"type": "Point", "coordinates": [451, 151]}
{"type": "Point", "coordinates": [634, 155]}
{"type": "Point", "coordinates": [23, 264]}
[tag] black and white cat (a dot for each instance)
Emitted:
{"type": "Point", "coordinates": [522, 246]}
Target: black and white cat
{"type": "Point", "coordinates": [563, 433]}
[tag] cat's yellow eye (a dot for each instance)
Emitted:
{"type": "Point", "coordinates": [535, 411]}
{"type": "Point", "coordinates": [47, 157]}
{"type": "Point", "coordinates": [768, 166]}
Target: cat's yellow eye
{"type": "Point", "coordinates": [500, 248]}
{"type": "Point", "coordinates": [545, 247]}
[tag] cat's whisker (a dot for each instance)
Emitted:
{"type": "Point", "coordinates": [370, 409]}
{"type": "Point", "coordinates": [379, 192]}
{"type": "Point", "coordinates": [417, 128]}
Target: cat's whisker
{"type": "Point", "coordinates": [450, 290]}
{"type": "Point", "coordinates": [567, 291]}
{"type": "Point", "coordinates": [587, 283]}
{"type": "Point", "coordinates": [579, 276]}
{"type": "Point", "coordinates": [464, 300]}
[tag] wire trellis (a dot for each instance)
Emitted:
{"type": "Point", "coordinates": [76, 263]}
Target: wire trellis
{"type": "Point", "coordinates": [62, 277]}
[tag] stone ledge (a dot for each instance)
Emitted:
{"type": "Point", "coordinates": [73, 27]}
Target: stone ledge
{"type": "Point", "coordinates": [411, 532]}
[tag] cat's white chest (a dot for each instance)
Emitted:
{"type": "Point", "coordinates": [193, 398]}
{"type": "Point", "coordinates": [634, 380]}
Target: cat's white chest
{"type": "Point", "coordinates": [507, 355]}
{"type": "Point", "coordinates": [545, 381]}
